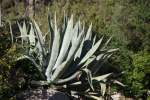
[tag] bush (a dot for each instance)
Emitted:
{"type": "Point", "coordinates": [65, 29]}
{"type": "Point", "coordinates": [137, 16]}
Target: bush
{"type": "Point", "coordinates": [136, 77]}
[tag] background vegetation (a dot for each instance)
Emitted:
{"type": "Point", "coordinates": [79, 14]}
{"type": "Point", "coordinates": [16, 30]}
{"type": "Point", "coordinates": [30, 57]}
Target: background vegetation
{"type": "Point", "coordinates": [127, 21]}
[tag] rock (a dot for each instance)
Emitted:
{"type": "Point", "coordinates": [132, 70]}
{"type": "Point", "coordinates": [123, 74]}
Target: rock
{"type": "Point", "coordinates": [42, 94]}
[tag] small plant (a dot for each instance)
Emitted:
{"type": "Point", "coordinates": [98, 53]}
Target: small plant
{"type": "Point", "coordinates": [67, 55]}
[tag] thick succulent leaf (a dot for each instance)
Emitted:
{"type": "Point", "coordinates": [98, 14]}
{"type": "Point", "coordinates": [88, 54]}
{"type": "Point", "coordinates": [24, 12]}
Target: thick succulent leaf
{"type": "Point", "coordinates": [32, 40]}
{"type": "Point", "coordinates": [89, 77]}
{"type": "Point", "coordinates": [91, 51]}
{"type": "Point", "coordinates": [50, 24]}
{"type": "Point", "coordinates": [58, 72]}
{"type": "Point", "coordinates": [11, 34]}
{"type": "Point", "coordinates": [65, 20]}
{"type": "Point", "coordinates": [94, 40]}
{"type": "Point", "coordinates": [112, 50]}
{"type": "Point", "coordinates": [66, 42]}
{"type": "Point", "coordinates": [44, 37]}
{"type": "Point", "coordinates": [89, 33]}
{"type": "Point", "coordinates": [25, 36]}
{"type": "Point", "coordinates": [75, 46]}
{"type": "Point", "coordinates": [51, 34]}
{"type": "Point", "coordinates": [40, 37]}
{"type": "Point", "coordinates": [39, 33]}
{"type": "Point", "coordinates": [94, 97]}
{"type": "Point", "coordinates": [90, 60]}
{"type": "Point", "coordinates": [23, 32]}
{"type": "Point", "coordinates": [32, 36]}
{"type": "Point", "coordinates": [38, 48]}
{"type": "Point", "coordinates": [75, 32]}
{"type": "Point", "coordinates": [103, 87]}
{"type": "Point", "coordinates": [54, 53]}
{"type": "Point", "coordinates": [31, 59]}
{"type": "Point", "coordinates": [73, 76]}
{"type": "Point", "coordinates": [119, 83]}
{"type": "Point", "coordinates": [98, 66]}
{"type": "Point", "coordinates": [76, 83]}
{"type": "Point", "coordinates": [34, 62]}
{"type": "Point", "coordinates": [105, 45]}
{"type": "Point", "coordinates": [41, 60]}
{"type": "Point", "coordinates": [24, 28]}
{"type": "Point", "coordinates": [102, 77]}
{"type": "Point", "coordinates": [100, 56]}
{"type": "Point", "coordinates": [79, 51]}
{"type": "Point", "coordinates": [107, 56]}
{"type": "Point", "coordinates": [70, 56]}
{"type": "Point", "coordinates": [80, 27]}
{"type": "Point", "coordinates": [20, 28]}
{"type": "Point", "coordinates": [64, 26]}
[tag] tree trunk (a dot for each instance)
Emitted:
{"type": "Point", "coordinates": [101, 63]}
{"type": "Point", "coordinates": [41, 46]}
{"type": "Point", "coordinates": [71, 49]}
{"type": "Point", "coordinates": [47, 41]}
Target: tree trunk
{"type": "Point", "coordinates": [29, 6]}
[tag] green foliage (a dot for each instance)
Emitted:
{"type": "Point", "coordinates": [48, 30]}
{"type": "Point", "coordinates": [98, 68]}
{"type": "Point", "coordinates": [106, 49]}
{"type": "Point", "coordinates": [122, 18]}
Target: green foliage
{"type": "Point", "coordinates": [140, 73]}
{"type": "Point", "coordinates": [138, 27]}
{"type": "Point", "coordinates": [6, 63]}
{"type": "Point", "coordinates": [136, 67]}
{"type": "Point", "coordinates": [141, 60]}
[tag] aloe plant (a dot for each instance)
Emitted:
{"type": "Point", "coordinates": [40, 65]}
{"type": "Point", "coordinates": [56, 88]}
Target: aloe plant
{"type": "Point", "coordinates": [65, 53]}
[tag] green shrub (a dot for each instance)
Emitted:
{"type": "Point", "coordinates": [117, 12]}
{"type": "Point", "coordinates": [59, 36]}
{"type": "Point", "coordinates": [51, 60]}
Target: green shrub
{"type": "Point", "coordinates": [137, 77]}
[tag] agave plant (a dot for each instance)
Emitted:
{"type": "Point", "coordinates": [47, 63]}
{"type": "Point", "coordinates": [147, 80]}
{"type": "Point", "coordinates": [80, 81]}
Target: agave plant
{"type": "Point", "coordinates": [63, 55]}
